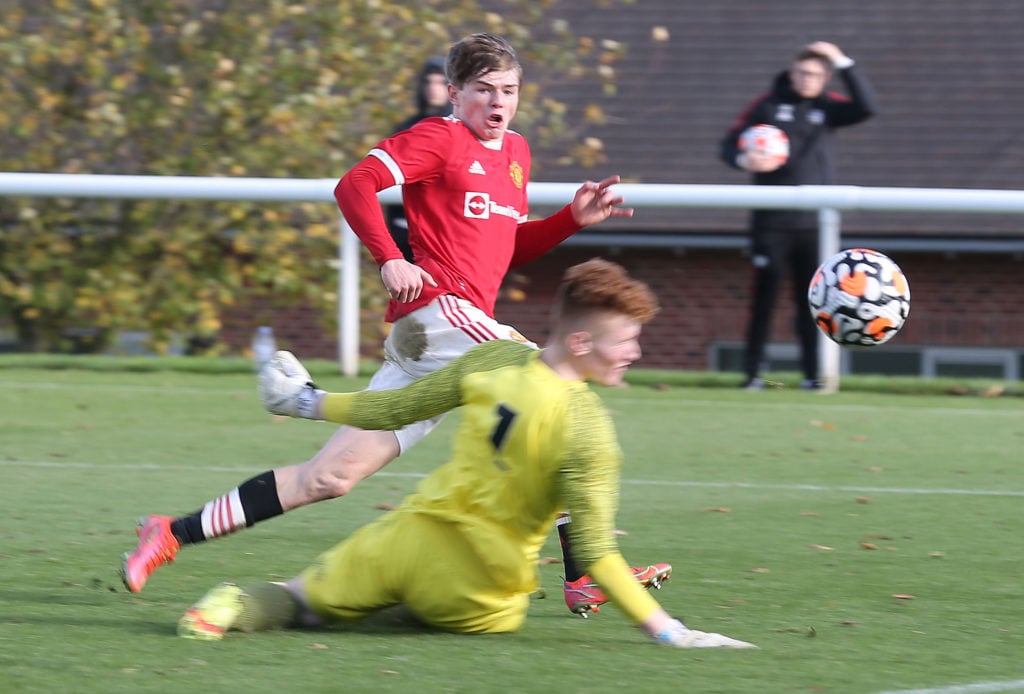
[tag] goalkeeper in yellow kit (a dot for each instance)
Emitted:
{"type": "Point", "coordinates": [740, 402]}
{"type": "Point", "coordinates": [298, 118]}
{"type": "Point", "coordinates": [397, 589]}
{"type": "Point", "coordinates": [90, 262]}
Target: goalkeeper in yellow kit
{"type": "Point", "coordinates": [461, 552]}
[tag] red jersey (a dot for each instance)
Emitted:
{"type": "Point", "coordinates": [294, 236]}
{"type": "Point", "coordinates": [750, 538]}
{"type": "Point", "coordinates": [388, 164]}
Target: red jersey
{"type": "Point", "coordinates": [464, 202]}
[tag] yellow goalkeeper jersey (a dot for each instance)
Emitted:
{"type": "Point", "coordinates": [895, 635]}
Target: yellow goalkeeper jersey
{"type": "Point", "coordinates": [530, 443]}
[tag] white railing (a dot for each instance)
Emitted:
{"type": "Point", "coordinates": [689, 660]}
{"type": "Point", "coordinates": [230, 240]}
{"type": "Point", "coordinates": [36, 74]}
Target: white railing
{"type": "Point", "coordinates": [829, 200]}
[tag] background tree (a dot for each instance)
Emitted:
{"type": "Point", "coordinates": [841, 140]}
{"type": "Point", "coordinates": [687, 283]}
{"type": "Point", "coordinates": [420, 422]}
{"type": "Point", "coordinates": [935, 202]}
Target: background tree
{"type": "Point", "coordinates": [219, 88]}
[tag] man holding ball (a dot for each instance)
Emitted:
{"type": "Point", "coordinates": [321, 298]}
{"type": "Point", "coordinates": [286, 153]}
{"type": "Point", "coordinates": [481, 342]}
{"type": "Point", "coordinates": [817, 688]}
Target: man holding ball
{"type": "Point", "coordinates": [799, 105]}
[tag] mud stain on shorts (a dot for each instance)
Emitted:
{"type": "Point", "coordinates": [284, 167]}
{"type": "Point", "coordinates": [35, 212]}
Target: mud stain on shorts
{"type": "Point", "coordinates": [409, 337]}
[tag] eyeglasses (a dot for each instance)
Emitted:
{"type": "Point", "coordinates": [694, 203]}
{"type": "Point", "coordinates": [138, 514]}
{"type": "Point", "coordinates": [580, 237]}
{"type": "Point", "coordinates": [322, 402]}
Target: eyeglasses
{"type": "Point", "coordinates": [810, 74]}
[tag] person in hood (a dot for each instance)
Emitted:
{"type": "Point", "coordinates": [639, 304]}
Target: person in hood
{"type": "Point", "coordinates": [807, 113]}
{"type": "Point", "coordinates": [431, 97]}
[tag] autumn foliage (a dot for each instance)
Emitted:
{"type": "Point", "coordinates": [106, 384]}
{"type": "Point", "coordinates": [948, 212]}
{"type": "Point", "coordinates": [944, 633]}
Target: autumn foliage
{"type": "Point", "coordinates": [215, 88]}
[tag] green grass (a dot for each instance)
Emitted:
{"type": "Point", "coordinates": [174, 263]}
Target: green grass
{"type": "Point", "coordinates": [768, 505]}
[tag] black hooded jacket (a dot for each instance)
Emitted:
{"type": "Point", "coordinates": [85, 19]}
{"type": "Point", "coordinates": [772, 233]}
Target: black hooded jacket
{"type": "Point", "coordinates": [434, 66]}
{"type": "Point", "coordinates": [809, 124]}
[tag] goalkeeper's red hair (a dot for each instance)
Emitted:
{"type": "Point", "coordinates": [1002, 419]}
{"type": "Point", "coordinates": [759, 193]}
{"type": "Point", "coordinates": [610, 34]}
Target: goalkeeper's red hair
{"type": "Point", "coordinates": [596, 323]}
{"type": "Point", "coordinates": [599, 285]}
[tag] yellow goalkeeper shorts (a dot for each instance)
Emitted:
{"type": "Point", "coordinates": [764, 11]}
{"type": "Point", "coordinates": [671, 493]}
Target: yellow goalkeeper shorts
{"type": "Point", "coordinates": [417, 561]}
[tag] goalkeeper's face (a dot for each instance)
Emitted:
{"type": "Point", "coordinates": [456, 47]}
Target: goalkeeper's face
{"type": "Point", "coordinates": [613, 346]}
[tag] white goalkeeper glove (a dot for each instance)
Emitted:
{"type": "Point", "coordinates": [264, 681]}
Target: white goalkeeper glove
{"type": "Point", "coordinates": [677, 635]}
{"type": "Point", "coordinates": [286, 388]}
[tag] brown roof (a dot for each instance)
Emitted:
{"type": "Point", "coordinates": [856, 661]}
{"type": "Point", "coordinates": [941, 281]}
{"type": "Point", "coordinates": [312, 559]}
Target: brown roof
{"type": "Point", "coordinates": [948, 73]}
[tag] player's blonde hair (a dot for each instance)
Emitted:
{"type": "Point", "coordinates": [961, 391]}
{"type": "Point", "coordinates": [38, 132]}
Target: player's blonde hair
{"type": "Point", "coordinates": [478, 54]}
{"type": "Point", "coordinates": [601, 285]}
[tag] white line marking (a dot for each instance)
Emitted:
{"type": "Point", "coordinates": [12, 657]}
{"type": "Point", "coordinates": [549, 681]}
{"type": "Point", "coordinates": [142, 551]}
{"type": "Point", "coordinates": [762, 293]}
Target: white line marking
{"type": "Point", "coordinates": [817, 404]}
{"type": "Point", "coordinates": [977, 688]}
{"type": "Point", "coordinates": [662, 483]}
{"type": "Point", "coordinates": [108, 387]}
{"type": "Point", "coordinates": [823, 488]}
{"type": "Point", "coordinates": [821, 405]}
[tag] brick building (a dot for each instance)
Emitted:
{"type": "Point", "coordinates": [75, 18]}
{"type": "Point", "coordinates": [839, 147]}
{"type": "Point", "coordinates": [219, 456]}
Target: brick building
{"type": "Point", "coordinates": [948, 85]}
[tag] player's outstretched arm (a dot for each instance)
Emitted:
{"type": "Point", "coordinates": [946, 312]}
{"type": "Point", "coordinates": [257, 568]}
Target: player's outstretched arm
{"type": "Point", "coordinates": [592, 203]}
{"type": "Point", "coordinates": [614, 576]}
{"type": "Point", "coordinates": [286, 388]}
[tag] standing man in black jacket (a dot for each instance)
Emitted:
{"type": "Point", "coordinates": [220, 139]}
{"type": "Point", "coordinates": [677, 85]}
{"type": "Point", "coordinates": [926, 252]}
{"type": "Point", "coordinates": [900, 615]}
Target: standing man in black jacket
{"type": "Point", "coordinates": [800, 106]}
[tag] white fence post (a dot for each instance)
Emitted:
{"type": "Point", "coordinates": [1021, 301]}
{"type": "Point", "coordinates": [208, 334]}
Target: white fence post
{"type": "Point", "coordinates": [348, 299]}
{"type": "Point", "coordinates": [828, 351]}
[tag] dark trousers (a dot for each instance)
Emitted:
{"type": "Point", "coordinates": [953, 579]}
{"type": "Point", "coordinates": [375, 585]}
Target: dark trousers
{"type": "Point", "coordinates": [775, 252]}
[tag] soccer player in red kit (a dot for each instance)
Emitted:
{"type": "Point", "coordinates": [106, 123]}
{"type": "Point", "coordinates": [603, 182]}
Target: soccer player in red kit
{"type": "Point", "coordinates": [463, 181]}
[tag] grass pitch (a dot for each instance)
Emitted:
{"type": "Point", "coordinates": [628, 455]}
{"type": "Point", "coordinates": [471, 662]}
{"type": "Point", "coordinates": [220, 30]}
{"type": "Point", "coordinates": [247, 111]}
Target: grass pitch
{"type": "Point", "coordinates": [866, 542]}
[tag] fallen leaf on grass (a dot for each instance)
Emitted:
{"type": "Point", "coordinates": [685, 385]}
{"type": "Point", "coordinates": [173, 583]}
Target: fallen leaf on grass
{"type": "Point", "coordinates": [318, 646]}
{"type": "Point", "coordinates": [620, 533]}
{"type": "Point", "coordinates": [827, 426]}
{"type": "Point", "coordinates": [809, 632]}
{"type": "Point", "coordinates": [849, 623]}
{"type": "Point", "coordinates": [718, 509]}
{"type": "Point", "coordinates": [385, 506]}
{"type": "Point", "coordinates": [903, 596]}
{"type": "Point", "coordinates": [823, 548]}
{"type": "Point", "coordinates": [549, 560]}
{"type": "Point", "coordinates": [863, 500]}
{"type": "Point", "coordinates": [759, 570]}
{"type": "Point", "coordinates": [936, 555]}
{"type": "Point", "coordinates": [810, 514]}
{"type": "Point", "coordinates": [868, 545]}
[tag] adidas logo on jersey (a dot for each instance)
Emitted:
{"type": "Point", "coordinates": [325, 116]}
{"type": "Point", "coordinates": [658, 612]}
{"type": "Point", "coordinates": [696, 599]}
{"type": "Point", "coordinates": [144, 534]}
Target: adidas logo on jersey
{"type": "Point", "coordinates": [476, 168]}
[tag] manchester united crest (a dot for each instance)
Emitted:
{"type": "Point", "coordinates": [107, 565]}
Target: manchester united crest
{"type": "Point", "coordinates": [516, 172]}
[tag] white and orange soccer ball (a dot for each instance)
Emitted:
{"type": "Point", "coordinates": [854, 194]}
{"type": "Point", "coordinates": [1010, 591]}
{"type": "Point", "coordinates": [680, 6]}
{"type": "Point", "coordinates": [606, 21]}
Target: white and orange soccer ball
{"type": "Point", "coordinates": [859, 298]}
{"type": "Point", "coordinates": [766, 139]}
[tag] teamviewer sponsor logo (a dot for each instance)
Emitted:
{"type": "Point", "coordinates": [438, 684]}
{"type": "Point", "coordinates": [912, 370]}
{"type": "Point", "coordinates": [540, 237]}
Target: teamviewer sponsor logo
{"type": "Point", "coordinates": [478, 206]}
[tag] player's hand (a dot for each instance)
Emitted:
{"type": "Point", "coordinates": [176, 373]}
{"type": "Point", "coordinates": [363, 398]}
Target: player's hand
{"type": "Point", "coordinates": [829, 50]}
{"type": "Point", "coordinates": [403, 280]}
{"type": "Point", "coordinates": [596, 202]}
{"type": "Point", "coordinates": [755, 161]}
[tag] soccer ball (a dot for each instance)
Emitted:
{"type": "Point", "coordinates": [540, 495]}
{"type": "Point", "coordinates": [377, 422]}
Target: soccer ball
{"type": "Point", "coordinates": [859, 298]}
{"type": "Point", "coordinates": [766, 139]}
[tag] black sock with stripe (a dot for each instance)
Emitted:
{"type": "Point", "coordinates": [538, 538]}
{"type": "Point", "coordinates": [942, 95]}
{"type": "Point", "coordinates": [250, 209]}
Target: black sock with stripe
{"type": "Point", "coordinates": [252, 501]}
